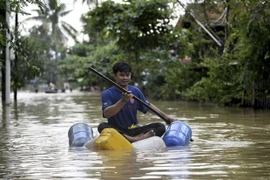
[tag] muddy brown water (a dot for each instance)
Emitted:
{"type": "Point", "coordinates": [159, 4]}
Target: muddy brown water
{"type": "Point", "coordinates": [229, 143]}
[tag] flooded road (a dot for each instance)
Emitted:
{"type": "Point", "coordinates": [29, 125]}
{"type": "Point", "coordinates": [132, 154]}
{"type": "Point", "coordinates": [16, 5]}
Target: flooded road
{"type": "Point", "coordinates": [229, 143]}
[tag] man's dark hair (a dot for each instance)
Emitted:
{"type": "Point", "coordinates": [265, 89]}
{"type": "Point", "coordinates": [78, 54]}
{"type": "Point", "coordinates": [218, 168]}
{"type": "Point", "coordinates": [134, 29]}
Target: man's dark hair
{"type": "Point", "coordinates": [121, 67]}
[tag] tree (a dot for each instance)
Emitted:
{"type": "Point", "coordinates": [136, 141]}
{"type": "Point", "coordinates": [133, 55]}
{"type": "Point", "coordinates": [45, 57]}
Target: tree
{"type": "Point", "coordinates": [135, 25]}
{"type": "Point", "coordinates": [239, 74]}
{"type": "Point", "coordinates": [58, 29]}
{"type": "Point", "coordinates": [250, 36]}
{"type": "Point", "coordinates": [33, 60]}
{"type": "Point", "coordinates": [82, 55]}
{"type": "Point", "coordinates": [51, 20]}
{"type": "Point", "coordinates": [15, 6]}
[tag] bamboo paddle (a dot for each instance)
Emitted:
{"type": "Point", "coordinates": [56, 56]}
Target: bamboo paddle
{"type": "Point", "coordinates": [135, 97]}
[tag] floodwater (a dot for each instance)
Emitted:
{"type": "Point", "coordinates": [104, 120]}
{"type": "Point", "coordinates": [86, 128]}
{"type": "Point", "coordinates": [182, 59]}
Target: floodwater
{"type": "Point", "coordinates": [229, 143]}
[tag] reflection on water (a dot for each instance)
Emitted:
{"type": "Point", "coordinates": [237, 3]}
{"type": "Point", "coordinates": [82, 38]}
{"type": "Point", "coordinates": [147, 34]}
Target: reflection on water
{"type": "Point", "coordinates": [230, 143]}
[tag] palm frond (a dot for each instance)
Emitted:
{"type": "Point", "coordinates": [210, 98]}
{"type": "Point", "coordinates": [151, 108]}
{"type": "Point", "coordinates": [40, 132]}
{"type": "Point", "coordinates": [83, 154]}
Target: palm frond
{"type": "Point", "coordinates": [65, 13]}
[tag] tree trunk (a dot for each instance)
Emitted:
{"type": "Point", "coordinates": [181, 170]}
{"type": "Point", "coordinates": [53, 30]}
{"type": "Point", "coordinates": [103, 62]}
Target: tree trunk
{"type": "Point", "coordinates": [16, 60]}
{"type": "Point", "coordinates": [3, 57]}
{"type": "Point", "coordinates": [227, 28]}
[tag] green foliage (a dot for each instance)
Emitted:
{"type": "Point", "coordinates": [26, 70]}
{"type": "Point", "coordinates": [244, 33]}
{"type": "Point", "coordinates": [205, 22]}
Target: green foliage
{"type": "Point", "coordinates": [134, 25]}
{"type": "Point", "coordinates": [82, 50]}
{"type": "Point", "coordinates": [84, 55]}
{"type": "Point", "coordinates": [104, 57]}
{"type": "Point", "coordinates": [139, 33]}
{"type": "Point", "coordinates": [252, 35]}
{"type": "Point", "coordinates": [178, 40]}
{"type": "Point", "coordinates": [30, 62]}
{"type": "Point", "coordinates": [17, 7]}
{"type": "Point", "coordinates": [137, 27]}
{"type": "Point", "coordinates": [244, 59]}
{"type": "Point", "coordinates": [40, 36]}
{"type": "Point", "coordinates": [170, 79]}
{"type": "Point", "coordinates": [222, 84]}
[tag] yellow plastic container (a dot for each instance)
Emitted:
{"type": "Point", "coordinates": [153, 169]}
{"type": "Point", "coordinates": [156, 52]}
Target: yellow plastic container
{"type": "Point", "coordinates": [110, 139]}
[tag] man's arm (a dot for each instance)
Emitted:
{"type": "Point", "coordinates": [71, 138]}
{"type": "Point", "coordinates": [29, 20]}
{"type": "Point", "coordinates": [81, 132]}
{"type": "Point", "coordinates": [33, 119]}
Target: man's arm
{"type": "Point", "coordinates": [115, 108]}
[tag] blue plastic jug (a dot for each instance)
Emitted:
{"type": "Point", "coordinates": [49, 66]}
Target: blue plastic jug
{"type": "Point", "coordinates": [178, 134]}
{"type": "Point", "coordinates": [79, 134]}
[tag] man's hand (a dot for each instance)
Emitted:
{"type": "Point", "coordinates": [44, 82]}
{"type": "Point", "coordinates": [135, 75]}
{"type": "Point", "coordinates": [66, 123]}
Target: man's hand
{"type": "Point", "coordinates": [126, 96]}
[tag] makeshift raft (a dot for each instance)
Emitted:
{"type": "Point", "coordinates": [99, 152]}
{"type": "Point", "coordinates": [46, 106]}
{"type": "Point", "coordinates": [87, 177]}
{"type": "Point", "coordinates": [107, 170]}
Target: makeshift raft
{"type": "Point", "coordinates": [81, 135]}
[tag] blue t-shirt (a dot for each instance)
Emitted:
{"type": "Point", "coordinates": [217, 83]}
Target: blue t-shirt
{"type": "Point", "coordinates": [127, 116]}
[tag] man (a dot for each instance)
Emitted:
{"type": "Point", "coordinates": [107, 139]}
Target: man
{"type": "Point", "coordinates": [121, 109]}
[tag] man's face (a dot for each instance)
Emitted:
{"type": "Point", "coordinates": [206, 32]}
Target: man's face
{"type": "Point", "coordinates": [122, 78]}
